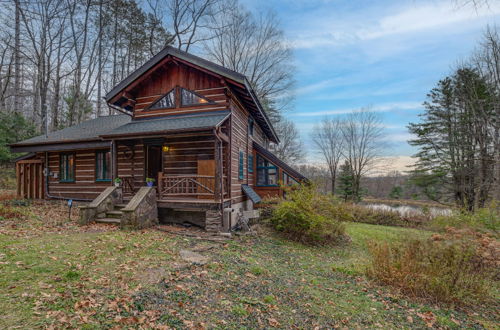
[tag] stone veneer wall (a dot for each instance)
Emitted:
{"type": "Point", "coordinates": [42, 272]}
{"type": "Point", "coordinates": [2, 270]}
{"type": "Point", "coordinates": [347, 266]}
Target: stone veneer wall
{"type": "Point", "coordinates": [103, 203]}
{"type": "Point", "coordinates": [141, 211]}
{"type": "Point", "coordinates": [213, 221]}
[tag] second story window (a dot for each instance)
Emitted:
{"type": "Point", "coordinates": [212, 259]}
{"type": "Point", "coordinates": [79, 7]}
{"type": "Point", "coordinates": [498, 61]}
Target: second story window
{"type": "Point", "coordinates": [191, 98]}
{"type": "Point", "coordinates": [250, 126]}
{"type": "Point", "coordinates": [165, 102]}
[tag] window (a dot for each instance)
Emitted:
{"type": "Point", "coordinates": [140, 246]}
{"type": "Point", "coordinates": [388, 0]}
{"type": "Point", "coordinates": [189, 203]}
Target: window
{"type": "Point", "coordinates": [267, 172]}
{"type": "Point", "coordinates": [191, 98]}
{"type": "Point", "coordinates": [165, 102]}
{"type": "Point", "coordinates": [103, 166]}
{"type": "Point", "coordinates": [288, 180]}
{"type": "Point", "coordinates": [250, 126]}
{"type": "Point", "coordinates": [250, 163]}
{"type": "Point", "coordinates": [240, 167]}
{"type": "Point", "coordinates": [67, 168]}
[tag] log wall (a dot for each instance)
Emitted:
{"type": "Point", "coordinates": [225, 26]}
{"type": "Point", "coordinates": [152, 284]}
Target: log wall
{"type": "Point", "coordinates": [84, 186]}
{"type": "Point", "coordinates": [178, 75]}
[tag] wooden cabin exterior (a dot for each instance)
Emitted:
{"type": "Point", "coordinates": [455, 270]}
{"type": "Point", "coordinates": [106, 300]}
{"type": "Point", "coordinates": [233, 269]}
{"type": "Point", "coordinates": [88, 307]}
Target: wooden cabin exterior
{"type": "Point", "coordinates": [195, 127]}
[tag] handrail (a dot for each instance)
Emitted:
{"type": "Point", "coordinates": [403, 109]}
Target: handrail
{"type": "Point", "coordinates": [194, 185]}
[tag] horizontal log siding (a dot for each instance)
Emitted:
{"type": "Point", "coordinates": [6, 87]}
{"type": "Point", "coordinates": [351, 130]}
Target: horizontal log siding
{"type": "Point", "coordinates": [133, 167]}
{"type": "Point", "coordinates": [85, 186]}
{"type": "Point", "coordinates": [185, 152]}
{"type": "Point", "coordinates": [243, 141]}
{"type": "Point", "coordinates": [183, 76]}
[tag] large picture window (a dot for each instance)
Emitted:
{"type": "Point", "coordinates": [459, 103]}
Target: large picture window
{"type": "Point", "coordinates": [288, 180]}
{"type": "Point", "coordinates": [103, 166]}
{"type": "Point", "coordinates": [67, 167]}
{"type": "Point", "coordinates": [267, 172]}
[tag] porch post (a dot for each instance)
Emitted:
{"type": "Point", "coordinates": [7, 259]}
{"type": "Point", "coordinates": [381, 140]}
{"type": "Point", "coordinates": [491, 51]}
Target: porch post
{"type": "Point", "coordinates": [114, 158]}
{"type": "Point", "coordinates": [218, 171]}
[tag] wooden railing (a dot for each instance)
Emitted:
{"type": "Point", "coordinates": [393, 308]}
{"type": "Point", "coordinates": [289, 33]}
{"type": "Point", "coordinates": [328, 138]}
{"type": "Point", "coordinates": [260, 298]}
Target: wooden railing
{"type": "Point", "coordinates": [194, 186]}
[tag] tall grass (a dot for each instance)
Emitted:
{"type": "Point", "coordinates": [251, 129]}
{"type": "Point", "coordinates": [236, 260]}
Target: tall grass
{"type": "Point", "coordinates": [461, 268]}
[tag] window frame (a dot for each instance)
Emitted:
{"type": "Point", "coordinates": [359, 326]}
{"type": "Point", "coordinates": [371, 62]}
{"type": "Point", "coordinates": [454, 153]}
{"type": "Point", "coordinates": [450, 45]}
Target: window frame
{"type": "Point", "coordinates": [96, 172]}
{"type": "Point", "coordinates": [266, 168]}
{"type": "Point", "coordinates": [251, 126]}
{"type": "Point", "coordinates": [181, 105]}
{"type": "Point", "coordinates": [250, 163]}
{"type": "Point", "coordinates": [150, 107]}
{"type": "Point", "coordinates": [61, 155]}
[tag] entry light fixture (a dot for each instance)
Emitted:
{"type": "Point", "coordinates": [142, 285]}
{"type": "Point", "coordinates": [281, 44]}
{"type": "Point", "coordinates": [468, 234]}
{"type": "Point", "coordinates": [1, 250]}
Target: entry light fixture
{"type": "Point", "coordinates": [165, 148]}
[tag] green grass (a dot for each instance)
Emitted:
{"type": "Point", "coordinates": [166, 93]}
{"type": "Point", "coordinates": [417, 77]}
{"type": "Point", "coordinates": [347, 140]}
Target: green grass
{"type": "Point", "coordinates": [101, 279]}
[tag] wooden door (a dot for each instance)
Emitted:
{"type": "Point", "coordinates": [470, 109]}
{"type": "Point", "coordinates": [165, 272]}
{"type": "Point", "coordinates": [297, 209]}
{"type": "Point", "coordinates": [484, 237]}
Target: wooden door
{"type": "Point", "coordinates": [206, 167]}
{"type": "Point", "coordinates": [153, 162]}
{"type": "Point", "coordinates": [30, 181]}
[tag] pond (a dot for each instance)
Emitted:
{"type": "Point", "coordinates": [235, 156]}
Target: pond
{"type": "Point", "coordinates": [408, 210]}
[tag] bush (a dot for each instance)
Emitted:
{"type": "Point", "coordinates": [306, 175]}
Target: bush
{"type": "Point", "coordinates": [309, 217]}
{"type": "Point", "coordinates": [487, 218]}
{"type": "Point", "coordinates": [368, 215]}
{"type": "Point", "coordinates": [451, 268]}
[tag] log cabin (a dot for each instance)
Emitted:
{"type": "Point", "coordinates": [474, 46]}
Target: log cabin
{"type": "Point", "coordinates": [194, 127]}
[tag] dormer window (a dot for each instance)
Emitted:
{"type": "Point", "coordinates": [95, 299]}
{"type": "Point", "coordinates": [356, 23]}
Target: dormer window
{"type": "Point", "coordinates": [189, 98]}
{"type": "Point", "coordinates": [165, 102]}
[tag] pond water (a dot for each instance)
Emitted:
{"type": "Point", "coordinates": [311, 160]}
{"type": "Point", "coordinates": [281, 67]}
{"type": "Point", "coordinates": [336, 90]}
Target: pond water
{"type": "Point", "coordinates": [408, 210]}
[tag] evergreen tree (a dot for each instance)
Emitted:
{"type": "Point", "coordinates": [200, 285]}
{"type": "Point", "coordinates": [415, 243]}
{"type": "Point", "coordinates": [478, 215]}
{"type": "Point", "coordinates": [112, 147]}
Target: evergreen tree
{"type": "Point", "coordinates": [455, 137]}
{"type": "Point", "coordinates": [396, 192]}
{"type": "Point", "coordinates": [13, 128]}
{"type": "Point", "coordinates": [345, 186]}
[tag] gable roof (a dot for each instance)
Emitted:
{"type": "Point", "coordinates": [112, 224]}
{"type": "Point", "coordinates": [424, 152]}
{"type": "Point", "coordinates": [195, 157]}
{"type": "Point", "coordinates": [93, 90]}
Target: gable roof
{"type": "Point", "coordinates": [89, 130]}
{"type": "Point", "coordinates": [272, 157]}
{"type": "Point", "coordinates": [169, 124]}
{"type": "Point", "coordinates": [240, 84]}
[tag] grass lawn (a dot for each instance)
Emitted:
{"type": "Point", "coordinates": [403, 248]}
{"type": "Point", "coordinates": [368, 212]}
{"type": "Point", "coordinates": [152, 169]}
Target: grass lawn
{"type": "Point", "coordinates": [56, 274]}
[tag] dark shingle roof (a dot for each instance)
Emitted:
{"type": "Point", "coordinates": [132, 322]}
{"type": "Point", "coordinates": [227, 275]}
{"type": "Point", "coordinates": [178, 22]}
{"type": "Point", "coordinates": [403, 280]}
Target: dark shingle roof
{"type": "Point", "coordinates": [87, 131]}
{"type": "Point", "coordinates": [251, 193]}
{"type": "Point", "coordinates": [172, 123]}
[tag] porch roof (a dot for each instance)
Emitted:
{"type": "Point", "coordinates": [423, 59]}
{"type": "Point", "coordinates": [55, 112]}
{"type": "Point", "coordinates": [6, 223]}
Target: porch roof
{"type": "Point", "coordinates": [169, 124]}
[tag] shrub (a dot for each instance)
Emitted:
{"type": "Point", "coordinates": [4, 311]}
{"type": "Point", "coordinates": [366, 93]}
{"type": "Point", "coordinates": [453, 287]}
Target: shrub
{"type": "Point", "coordinates": [451, 268]}
{"type": "Point", "coordinates": [487, 218]}
{"type": "Point", "coordinates": [309, 217]}
{"type": "Point", "coordinates": [365, 214]}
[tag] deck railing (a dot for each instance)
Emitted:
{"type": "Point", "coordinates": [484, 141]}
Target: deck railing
{"type": "Point", "coordinates": [191, 186]}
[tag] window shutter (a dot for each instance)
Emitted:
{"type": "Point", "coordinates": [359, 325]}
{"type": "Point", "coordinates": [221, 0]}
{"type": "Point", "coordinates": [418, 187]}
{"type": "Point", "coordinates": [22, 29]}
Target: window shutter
{"type": "Point", "coordinates": [240, 169]}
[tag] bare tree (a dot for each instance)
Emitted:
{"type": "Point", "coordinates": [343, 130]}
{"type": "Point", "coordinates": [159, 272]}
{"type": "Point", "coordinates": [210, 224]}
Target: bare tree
{"type": "Point", "coordinates": [290, 148]}
{"type": "Point", "coordinates": [487, 61]}
{"type": "Point", "coordinates": [255, 46]}
{"type": "Point", "coordinates": [362, 134]}
{"type": "Point", "coordinates": [328, 138]}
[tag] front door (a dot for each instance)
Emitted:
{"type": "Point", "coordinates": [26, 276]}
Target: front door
{"type": "Point", "coordinates": [153, 162]}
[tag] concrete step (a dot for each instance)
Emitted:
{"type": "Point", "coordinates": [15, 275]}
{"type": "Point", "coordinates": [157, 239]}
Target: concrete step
{"type": "Point", "coordinates": [108, 220]}
{"type": "Point", "coordinates": [119, 206]}
{"type": "Point", "coordinates": [114, 214]}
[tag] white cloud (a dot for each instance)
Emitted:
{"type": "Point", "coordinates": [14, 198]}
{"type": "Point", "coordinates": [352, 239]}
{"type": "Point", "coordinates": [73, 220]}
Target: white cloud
{"type": "Point", "coordinates": [375, 108]}
{"type": "Point", "coordinates": [364, 25]}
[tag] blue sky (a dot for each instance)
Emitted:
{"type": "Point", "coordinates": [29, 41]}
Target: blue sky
{"type": "Point", "coordinates": [383, 54]}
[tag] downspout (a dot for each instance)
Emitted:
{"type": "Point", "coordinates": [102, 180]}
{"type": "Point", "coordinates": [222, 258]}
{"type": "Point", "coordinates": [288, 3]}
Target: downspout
{"type": "Point", "coordinates": [47, 192]}
{"type": "Point", "coordinates": [221, 173]}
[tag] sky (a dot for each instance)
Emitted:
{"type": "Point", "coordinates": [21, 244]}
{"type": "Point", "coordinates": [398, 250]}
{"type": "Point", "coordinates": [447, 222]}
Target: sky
{"type": "Point", "coordinates": [384, 54]}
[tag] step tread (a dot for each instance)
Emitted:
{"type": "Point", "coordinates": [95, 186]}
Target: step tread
{"type": "Point", "coordinates": [115, 212]}
{"type": "Point", "coordinates": [120, 205]}
{"type": "Point", "coordinates": [108, 220]}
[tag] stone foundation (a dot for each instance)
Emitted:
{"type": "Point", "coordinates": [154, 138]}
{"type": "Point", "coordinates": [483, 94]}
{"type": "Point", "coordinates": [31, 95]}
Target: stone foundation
{"type": "Point", "coordinates": [213, 221]}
